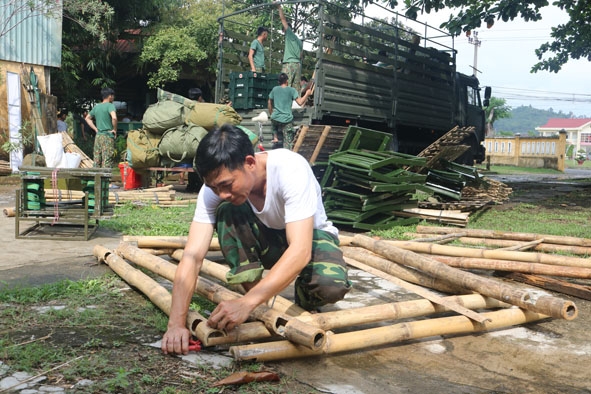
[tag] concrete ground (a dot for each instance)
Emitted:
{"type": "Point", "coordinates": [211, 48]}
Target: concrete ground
{"type": "Point", "coordinates": [551, 356]}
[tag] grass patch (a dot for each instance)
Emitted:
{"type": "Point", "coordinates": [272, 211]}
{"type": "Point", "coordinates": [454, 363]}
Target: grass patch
{"type": "Point", "coordinates": [104, 342]}
{"type": "Point", "coordinates": [132, 219]}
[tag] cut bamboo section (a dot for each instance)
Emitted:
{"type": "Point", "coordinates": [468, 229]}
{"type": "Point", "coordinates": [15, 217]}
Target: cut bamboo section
{"type": "Point", "coordinates": [319, 145]}
{"type": "Point", "coordinates": [547, 305]}
{"type": "Point", "coordinates": [379, 336]}
{"type": "Point", "coordinates": [492, 234]}
{"type": "Point", "coordinates": [514, 266]}
{"type": "Point", "coordinates": [148, 286]}
{"type": "Point", "coordinates": [280, 324]}
{"type": "Point", "coordinates": [9, 212]}
{"type": "Point", "coordinates": [301, 136]}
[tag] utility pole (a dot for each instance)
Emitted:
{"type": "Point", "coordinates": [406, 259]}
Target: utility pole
{"type": "Point", "coordinates": [473, 39]}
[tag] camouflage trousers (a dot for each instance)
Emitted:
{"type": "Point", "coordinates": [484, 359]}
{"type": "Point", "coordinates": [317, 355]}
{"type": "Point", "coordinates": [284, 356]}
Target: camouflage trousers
{"type": "Point", "coordinates": [293, 74]}
{"type": "Point", "coordinates": [104, 151]}
{"type": "Point", "coordinates": [249, 247]}
{"type": "Point", "coordinates": [285, 133]}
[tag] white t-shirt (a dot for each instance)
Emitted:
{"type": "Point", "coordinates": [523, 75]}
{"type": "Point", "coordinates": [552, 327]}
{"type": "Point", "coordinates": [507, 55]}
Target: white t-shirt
{"type": "Point", "coordinates": [293, 194]}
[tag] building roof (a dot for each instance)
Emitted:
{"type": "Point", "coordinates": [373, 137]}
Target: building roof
{"type": "Point", "coordinates": [564, 123]}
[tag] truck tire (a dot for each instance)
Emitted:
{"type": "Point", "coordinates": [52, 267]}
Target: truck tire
{"type": "Point", "coordinates": [470, 155]}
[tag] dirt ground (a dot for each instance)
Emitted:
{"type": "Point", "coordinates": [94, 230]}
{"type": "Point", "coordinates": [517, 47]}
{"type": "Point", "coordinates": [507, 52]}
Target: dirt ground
{"type": "Point", "coordinates": [550, 356]}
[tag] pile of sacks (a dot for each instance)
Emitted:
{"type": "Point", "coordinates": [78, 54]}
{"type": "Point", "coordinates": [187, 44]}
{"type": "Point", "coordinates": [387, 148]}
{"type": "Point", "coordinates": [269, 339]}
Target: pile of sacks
{"type": "Point", "coordinates": [173, 128]}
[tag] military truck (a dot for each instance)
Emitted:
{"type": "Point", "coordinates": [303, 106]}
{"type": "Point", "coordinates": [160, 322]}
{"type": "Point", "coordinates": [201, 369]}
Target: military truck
{"type": "Point", "coordinates": [375, 73]}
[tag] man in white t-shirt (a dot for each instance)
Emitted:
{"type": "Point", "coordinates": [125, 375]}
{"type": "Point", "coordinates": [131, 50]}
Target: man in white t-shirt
{"type": "Point", "coordinates": [268, 213]}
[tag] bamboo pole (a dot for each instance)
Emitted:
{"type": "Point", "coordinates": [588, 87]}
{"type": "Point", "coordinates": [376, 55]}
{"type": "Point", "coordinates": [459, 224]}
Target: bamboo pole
{"type": "Point", "coordinates": [219, 271]}
{"type": "Point", "coordinates": [558, 285]}
{"type": "Point", "coordinates": [301, 137]}
{"type": "Point", "coordinates": [514, 266]}
{"type": "Point", "coordinates": [538, 245]}
{"type": "Point", "coordinates": [437, 240]}
{"type": "Point", "coordinates": [547, 305]}
{"type": "Point", "coordinates": [280, 324]}
{"type": "Point", "coordinates": [69, 146]}
{"type": "Point", "coordinates": [401, 271]}
{"type": "Point", "coordinates": [319, 144]}
{"type": "Point", "coordinates": [531, 257]}
{"type": "Point", "coordinates": [492, 234]}
{"type": "Point", "coordinates": [155, 292]}
{"type": "Point", "coordinates": [419, 291]}
{"type": "Point", "coordinates": [379, 336]}
{"type": "Point", "coordinates": [9, 212]}
{"type": "Point", "coordinates": [166, 242]}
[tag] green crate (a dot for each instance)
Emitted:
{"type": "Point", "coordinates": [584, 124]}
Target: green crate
{"type": "Point", "coordinates": [247, 79]}
{"type": "Point", "coordinates": [257, 93]}
{"type": "Point", "coordinates": [249, 103]}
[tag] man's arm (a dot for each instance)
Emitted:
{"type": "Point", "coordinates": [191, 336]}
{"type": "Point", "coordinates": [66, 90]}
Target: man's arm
{"type": "Point", "coordinates": [302, 100]}
{"type": "Point", "coordinates": [114, 122]}
{"type": "Point", "coordinates": [282, 17]}
{"type": "Point", "coordinates": [176, 338]}
{"type": "Point", "coordinates": [251, 59]}
{"type": "Point", "coordinates": [270, 106]}
{"type": "Point", "coordinates": [229, 314]}
{"type": "Point", "coordinates": [91, 123]}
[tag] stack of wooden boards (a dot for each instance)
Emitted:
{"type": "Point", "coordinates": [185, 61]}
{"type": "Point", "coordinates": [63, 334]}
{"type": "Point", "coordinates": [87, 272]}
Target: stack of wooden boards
{"type": "Point", "coordinates": [281, 330]}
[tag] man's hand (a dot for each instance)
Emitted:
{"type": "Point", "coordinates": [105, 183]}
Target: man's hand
{"type": "Point", "coordinates": [176, 340]}
{"type": "Point", "coordinates": [229, 314]}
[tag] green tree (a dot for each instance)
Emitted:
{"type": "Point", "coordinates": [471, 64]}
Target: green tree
{"type": "Point", "coordinates": [187, 41]}
{"type": "Point", "coordinates": [572, 40]}
{"type": "Point", "coordinates": [497, 109]}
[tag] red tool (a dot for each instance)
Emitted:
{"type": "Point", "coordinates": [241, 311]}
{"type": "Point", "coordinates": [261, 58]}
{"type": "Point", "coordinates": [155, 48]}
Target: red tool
{"type": "Point", "coordinates": [194, 345]}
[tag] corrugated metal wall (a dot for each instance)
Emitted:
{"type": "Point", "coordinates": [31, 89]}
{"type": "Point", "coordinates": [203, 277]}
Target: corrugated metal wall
{"type": "Point", "coordinates": [31, 34]}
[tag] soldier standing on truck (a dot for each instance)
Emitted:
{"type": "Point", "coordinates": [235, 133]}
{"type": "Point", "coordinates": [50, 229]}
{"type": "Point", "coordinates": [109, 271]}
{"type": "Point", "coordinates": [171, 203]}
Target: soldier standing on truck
{"type": "Point", "coordinates": [256, 54]}
{"type": "Point", "coordinates": [279, 105]}
{"type": "Point", "coordinates": [292, 53]}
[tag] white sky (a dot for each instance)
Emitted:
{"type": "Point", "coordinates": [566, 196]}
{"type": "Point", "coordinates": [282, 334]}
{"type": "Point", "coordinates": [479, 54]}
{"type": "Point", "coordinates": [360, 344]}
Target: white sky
{"type": "Point", "coordinates": [506, 55]}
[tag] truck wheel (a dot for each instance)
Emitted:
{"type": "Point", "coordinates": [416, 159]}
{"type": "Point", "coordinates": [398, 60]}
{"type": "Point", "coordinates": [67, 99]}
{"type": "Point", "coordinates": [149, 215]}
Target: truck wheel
{"type": "Point", "coordinates": [468, 157]}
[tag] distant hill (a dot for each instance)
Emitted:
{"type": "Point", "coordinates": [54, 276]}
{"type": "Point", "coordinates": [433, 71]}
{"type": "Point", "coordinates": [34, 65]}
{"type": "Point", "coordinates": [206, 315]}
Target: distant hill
{"type": "Point", "coordinates": [525, 119]}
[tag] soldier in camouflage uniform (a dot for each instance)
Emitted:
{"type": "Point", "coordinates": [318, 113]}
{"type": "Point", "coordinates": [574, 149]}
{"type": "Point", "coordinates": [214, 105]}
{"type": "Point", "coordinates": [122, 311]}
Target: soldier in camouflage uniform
{"type": "Point", "coordinates": [105, 116]}
{"type": "Point", "coordinates": [267, 210]}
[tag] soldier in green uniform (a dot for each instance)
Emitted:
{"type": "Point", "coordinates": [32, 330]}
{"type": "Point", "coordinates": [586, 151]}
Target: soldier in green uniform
{"type": "Point", "coordinates": [105, 126]}
{"type": "Point", "coordinates": [256, 53]}
{"type": "Point", "coordinates": [292, 53]}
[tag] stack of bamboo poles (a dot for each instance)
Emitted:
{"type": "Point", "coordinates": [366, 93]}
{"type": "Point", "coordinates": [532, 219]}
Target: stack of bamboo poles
{"type": "Point", "coordinates": [164, 196]}
{"type": "Point", "coordinates": [5, 167]}
{"type": "Point", "coordinates": [71, 147]}
{"type": "Point", "coordinates": [443, 216]}
{"type": "Point", "coordinates": [281, 330]}
{"type": "Point", "coordinates": [507, 255]}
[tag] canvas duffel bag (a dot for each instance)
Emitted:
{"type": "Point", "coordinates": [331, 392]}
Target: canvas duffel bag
{"type": "Point", "coordinates": [142, 149]}
{"type": "Point", "coordinates": [180, 143]}
{"type": "Point", "coordinates": [210, 116]}
{"type": "Point", "coordinates": [163, 115]}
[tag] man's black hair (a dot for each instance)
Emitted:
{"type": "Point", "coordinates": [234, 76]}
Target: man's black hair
{"type": "Point", "coordinates": [195, 93]}
{"type": "Point", "coordinates": [261, 30]}
{"type": "Point", "coordinates": [226, 146]}
{"type": "Point", "coordinates": [106, 92]}
{"type": "Point", "coordinates": [304, 79]}
{"type": "Point", "coordinates": [282, 78]}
